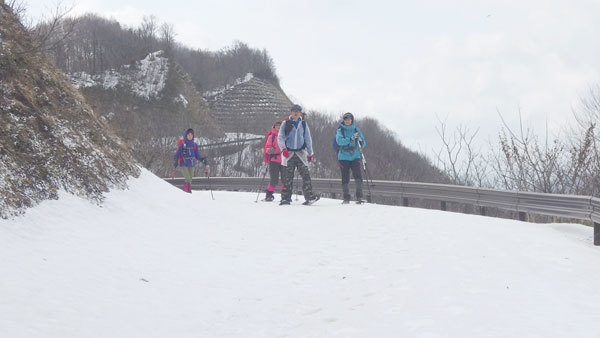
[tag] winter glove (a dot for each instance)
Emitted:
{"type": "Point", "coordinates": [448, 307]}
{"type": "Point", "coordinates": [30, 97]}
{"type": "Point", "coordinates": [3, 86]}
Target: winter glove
{"type": "Point", "coordinates": [271, 151]}
{"type": "Point", "coordinates": [309, 157]}
{"type": "Point", "coordinates": [285, 152]}
{"type": "Point", "coordinates": [175, 164]}
{"type": "Point", "coordinates": [354, 136]}
{"type": "Point", "coordinates": [204, 161]}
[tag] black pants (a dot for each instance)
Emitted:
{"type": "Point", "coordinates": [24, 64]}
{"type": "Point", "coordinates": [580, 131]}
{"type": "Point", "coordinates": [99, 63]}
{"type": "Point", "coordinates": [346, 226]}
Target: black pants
{"type": "Point", "coordinates": [276, 171]}
{"type": "Point", "coordinates": [346, 167]}
{"type": "Point", "coordinates": [288, 177]}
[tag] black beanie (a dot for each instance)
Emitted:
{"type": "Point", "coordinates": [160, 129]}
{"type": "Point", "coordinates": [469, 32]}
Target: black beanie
{"type": "Point", "coordinates": [296, 107]}
{"type": "Point", "coordinates": [348, 115]}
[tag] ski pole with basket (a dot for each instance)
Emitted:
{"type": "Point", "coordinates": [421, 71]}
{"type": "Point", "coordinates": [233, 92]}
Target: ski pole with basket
{"type": "Point", "coordinates": [366, 170]}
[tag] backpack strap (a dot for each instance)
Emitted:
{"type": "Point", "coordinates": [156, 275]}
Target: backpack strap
{"type": "Point", "coordinates": [346, 147]}
{"type": "Point", "coordinates": [288, 129]}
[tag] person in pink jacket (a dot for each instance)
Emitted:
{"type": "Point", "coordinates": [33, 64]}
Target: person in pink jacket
{"type": "Point", "coordinates": [273, 159]}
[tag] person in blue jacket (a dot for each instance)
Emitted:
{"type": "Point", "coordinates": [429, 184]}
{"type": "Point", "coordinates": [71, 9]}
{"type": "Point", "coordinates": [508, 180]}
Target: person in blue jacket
{"type": "Point", "coordinates": [347, 138]}
{"type": "Point", "coordinates": [186, 156]}
{"type": "Point", "coordinates": [295, 143]}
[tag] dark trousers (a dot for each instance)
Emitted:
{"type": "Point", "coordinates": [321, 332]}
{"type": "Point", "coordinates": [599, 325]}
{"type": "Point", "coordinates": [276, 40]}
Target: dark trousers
{"type": "Point", "coordinates": [275, 172]}
{"type": "Point", "coordinates": [292, 163]}
{"type": "Point", "coordinates": [346, 167]}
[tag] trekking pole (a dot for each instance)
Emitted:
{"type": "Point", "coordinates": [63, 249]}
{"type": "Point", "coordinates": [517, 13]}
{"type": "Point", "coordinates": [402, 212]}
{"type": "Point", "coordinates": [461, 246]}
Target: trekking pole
{"type": "Point", "coordinates": [298, 174]}
{"type": "Point", "coordinates": [366, 170]}
{"type": "Point", "coordinates": [261, 183]}
{"type": "Point", "coordinates": [207, 173]}
{"type": "Point", "coordinates": [174, 171]}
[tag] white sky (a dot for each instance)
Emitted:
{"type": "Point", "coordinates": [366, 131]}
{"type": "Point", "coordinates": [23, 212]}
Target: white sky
{"type": "Point", "coordinates": [402, 62]}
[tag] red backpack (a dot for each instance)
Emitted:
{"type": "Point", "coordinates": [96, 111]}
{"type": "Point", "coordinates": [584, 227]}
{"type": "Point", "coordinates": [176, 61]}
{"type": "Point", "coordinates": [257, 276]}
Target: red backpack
{"type": "Point", "coordinates": [179, 141]}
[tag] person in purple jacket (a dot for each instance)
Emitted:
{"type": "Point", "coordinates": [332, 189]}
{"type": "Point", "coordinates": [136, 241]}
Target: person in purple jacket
{"type": "Point", "coordinates": [186, 156]}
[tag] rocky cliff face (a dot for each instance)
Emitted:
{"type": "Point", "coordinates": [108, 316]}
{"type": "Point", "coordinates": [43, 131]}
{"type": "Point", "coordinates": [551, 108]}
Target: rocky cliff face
{"type": "Point", "coordinates": [50, 139]}
{"type": "Point", "coordinates": [151, 98]}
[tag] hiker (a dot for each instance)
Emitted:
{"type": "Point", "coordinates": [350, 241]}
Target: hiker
{"type": "Point", "coordinates": [273, 159]}
{"type": "Point", "coordinates": [186, 156]}
{"type": "Point", "coordinates": [296, 147]}
{"type": "Point", "coordinates": [347, 137]}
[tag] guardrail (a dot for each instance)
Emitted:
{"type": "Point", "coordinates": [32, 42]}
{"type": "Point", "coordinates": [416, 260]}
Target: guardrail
{"type": "Point", "coordinates": [570, 206]}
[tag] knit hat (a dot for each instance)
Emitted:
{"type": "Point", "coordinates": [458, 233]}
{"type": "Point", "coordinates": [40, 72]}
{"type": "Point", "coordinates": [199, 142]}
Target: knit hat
{"type": "Point", "coordinates": [296, 107]}
{"type": "Point", "coordinates": [348, 115]}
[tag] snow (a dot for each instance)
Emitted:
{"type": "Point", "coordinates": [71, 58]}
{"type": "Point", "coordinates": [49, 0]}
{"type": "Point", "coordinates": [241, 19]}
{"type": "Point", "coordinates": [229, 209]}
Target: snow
{"type": "Point", "coordinates": [152, 76]}
{"type": "Point", "coordinates": [147, 79]}
{"type": "Point", "coordinates": [240, 136]}
{"type": "Point", "coordinates": [83, 80]}
{"type": "Point", "coordinates": [238, 81]}
{"type": "Point", "coordinates": [153, 261]}
{"type": "Point", "coordinates": [181, 99]}
{"type": "Point", "coordinates": [111, 79]}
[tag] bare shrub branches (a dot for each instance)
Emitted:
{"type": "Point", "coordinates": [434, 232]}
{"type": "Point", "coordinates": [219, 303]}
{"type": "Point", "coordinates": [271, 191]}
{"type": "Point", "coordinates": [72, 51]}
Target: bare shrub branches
{"type": "Point", "coordinates": [523, 161]}
{"type": "Point", "coordinates": [458, 158]}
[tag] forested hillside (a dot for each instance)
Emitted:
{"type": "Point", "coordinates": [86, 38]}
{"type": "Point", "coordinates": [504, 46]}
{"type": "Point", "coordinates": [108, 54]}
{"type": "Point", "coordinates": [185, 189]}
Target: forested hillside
{"type": "Point", "coordinates": [93, 45]}
{"type": "Point", "coordinates": [98, 53]}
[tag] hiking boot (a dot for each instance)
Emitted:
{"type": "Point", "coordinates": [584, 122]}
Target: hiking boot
{"type": "Point", "coordinates": [269, 196]}
{"type": "Point", "coordinates": [285, 202]}
{"type": "Point", "coordinates": [346, 202]}
{"type": "Point", "coordinates": [312, 199]}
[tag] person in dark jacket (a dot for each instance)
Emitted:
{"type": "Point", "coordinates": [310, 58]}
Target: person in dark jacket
{"type": "Point", "coordinates": [186, 156]}
{"type": "Point", "coordinates": [347, 138]}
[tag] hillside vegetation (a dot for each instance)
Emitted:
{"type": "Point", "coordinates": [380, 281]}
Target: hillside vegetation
{"type": "Point", "coordinates": [50, 139]}
{"type": "Point", "coordinates": [101, 52]}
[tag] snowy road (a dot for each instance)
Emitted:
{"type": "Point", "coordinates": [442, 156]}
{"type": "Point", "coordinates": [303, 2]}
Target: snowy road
{"type": "Point", "coordinates": [155, 262]}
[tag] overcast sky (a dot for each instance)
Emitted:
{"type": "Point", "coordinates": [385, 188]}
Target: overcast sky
{"type": "Point", "coordinates": [405, 63]}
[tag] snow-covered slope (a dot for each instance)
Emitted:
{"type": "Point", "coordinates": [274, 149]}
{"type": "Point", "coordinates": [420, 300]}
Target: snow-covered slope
{"type": "Point", "coordinates": [145, 79]}
{"type": "Point", "coordinates": [153, 261]}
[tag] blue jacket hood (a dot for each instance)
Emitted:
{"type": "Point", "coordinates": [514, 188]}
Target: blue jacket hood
{"type": "Point", "coordinates": [187, 131]}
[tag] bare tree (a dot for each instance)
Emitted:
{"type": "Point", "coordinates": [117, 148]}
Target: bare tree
{"type": "Point", "coordinates": [524, 164]}
{"type": "Point", "coordinates": [52, 30]}
{"type": "Point", "coordinates": [167, 38]}
{"type": "Point", "coordinates": [19, 8]}
{"type": "Point", "coordinates": [147, 33]}
{"type": "Point", "coordinates": [585, 142]}
{"type": "Point", "coordinates": [458, 159]}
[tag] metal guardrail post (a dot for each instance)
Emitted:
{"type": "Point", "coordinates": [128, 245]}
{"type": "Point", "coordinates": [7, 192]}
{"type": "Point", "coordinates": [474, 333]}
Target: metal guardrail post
{"type": "Point", "coordinates": [522, 216]}
{"type": "Point", "coordinates": [405, 201]}
{"type": "Point", "coordinates": [443, 205]}
{"type": "Point", "coordinates": [596, 233]}
{"type": "Point", "coordinates": [482, 211]}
